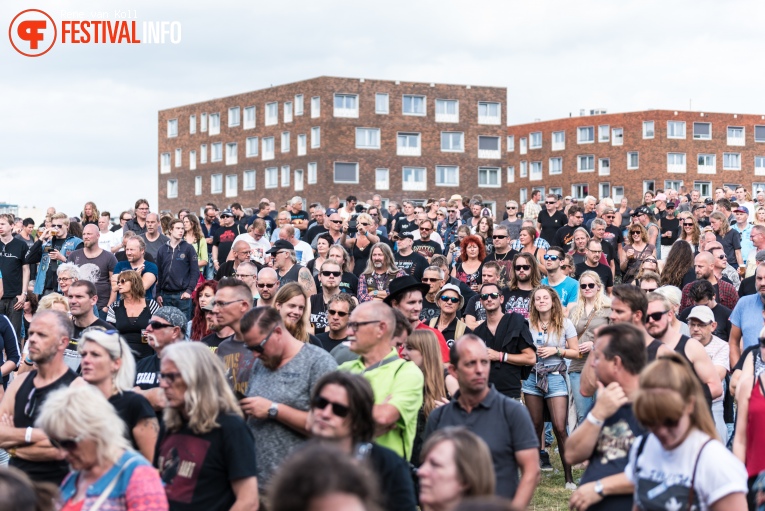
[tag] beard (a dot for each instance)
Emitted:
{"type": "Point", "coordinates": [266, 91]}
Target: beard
{"type": "Point", "coordinates": [377, 264]}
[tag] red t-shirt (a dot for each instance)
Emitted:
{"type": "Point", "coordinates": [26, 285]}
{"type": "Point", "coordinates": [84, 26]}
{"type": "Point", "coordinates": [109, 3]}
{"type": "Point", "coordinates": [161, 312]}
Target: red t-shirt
{"type": "Point", "coordinates": [441, 340]}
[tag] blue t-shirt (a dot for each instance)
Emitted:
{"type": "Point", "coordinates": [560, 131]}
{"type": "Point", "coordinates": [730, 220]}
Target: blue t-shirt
{"type": "Point", "coordinates": [568, 290]}
{"type": "Point", "coordinates": [147, 267]}
{"type": "Point", "coordinates": [747, 315]}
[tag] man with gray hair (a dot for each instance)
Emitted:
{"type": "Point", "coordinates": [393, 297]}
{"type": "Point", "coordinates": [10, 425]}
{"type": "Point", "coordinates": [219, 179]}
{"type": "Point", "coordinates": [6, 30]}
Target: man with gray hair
{"type": "Point", "coordinates": [298, 217]}
{"type": "Point", "coordinates": [512, 222]}
{"type": "Point", "coordinates": [303, 250]}
{"type": "Point", "coordinates": [152, 237]}
{"type": "Point", "coordinates": [287, 267]}
{"type": "Point", "coordinates": [319, 226]}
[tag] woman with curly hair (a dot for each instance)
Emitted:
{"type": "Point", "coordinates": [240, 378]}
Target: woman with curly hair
{"type": "Point", "coordinates": [678, 268]}
{"type": "Point", "coordinates": [468, 268]}
{"type": "Point", "coordinates": [203, 295]}
{"type": "Point", "coordinates": [636, 249]}
{"type": "Point", "coordinates": [485, 229]}
{"type": "Point", "coordinates": [690, 232]}
{"type": "Point", "coordinates": [89, 214]}
{"type": "Point", "coordinates": [294, 308]}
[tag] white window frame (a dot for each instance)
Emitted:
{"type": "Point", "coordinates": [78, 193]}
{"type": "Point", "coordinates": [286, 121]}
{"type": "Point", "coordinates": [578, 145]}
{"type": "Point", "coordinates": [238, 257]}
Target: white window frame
{"type": "Point", "coordinates": [284, 181]}
{"type": "Point", "coordinates": [404, 141]}
{"type": "Point", "coordinates": [558, 145]}
{"type": "Point", "coordinates": [491, 171]}
{"type": "Point", "coordinates": [216, 184]}
{"type": "Point", "coordinates": [315, 137]}
{"type": "Point", "coordinates": [735, 140]}
{"type": "Point", "coordinates": [511, 174]}
{"type": "Point", "coordinates": [588, 157]}
{"type": "Point", "coordinates": [284, 144]}
{"type": "Point", "coordinates": [673, 184]}
{"type": "Point", "coordinates": [269, 153]}
{"type": "Point", "coordinates": [510, 143]}
{"type": "Point", "coordinates": [446, 116]}
{"type": "Point", "coordinates": [382, 179]}
{"type": "Point", "coordinates": [524, 145]}
{"type": "Point", "coordinates": [299, 180]}
{"type": "Point", "coordinates": [414, 112]}
{"type": "Point", "coordinates": [216, 152]}
{"type": "Point", "coordinates": [192, 124]}
{"type": "Point", "coordinates": [203, 153]}
{"type": "Point", "coordinates": [178, 157]}
{"type": "Point", "coordinates": [523, 195]}
{"type": "Point", "coordinates": [252, 148]}
{"type": "Point", "coordinates": [617, 136]}
{"type": "Point", "coordinates": [249, 178]}
{"type": "Point", "coordinates": [604, 166]}
{"type": "Point", "coordinates": [351, 112]}
{"type": "Point", "coordinates": [172, 188]}
{"type": "Point", "coordinates": [759, 170]}
{"type": "Point", "coordinates": [649, 185]}
{"type": "Point", "coordinates": [450, 147]}
{"type": "Point", "coordinates": [446, 171]}
{"type": "Point", "coordinates": [703, 187]}
{"type": "Point", "coordinates": [649, 133]}
{"type": "Point", "coordinates": [172, 128]}
{"type": "Point", "coordinates": [412, 185]}
{"type": "Point", "coordinates": [584, 130]}
{"type": "Point", "coordinates": [234, 116]}
{"type": "Point", "coordinates": [302, 144]}
{"type": "Point", "coordinates": [287, 111]}
{"type": "Point", "coordinates": [232, 153]}
{"type": "Point", "coordinates": [232, 185]}
{"type": "Point", "coordinates": [203, 123]}
{"type": "Point", "coordinates": [523, 170]}
{"type": "Point", "coordinates": [728, 156]}
{"type": "Point", "coordinates": [604, 133]}
{"type": "Point", "coordinates": [675, 167]}
{"type": "Point", "coordinates": [192, 160]}
{"type": "Point", "coordinates": [198, 185]}
{"type": "Point", "coordinates": [536, 171]}
{"type": "Point", "coordinates": [272, 177]}
{"type": "Point", "coordinates": [702, 137]}
{"type": "Point", "coordinates": [490, 153]}
{"type": "Point", "coordinates": [705, 169]}
{"type": "Point", "coordinates": [368, 138]}
{"type": "Point", "coordinates": [604, 190]}
{"type": "Point", "coordinates": [674, 129]}
{"type": "Point", "coordinates": [580, 190]}
{"type": "Point", "coordinates": [382, 103]}
{"type": "Point", "coordinates": [271, 113]}
{"type": "Point", "coordinates": [345, 181]}
{"type": "Point", "coordinates": [555, 166]}
{"type": "Point", "coordinates": [250, 118]}
{"type": "Point", "coordinates": [617, 192]}
{"type": "Point", "coordinates": [312, 172]}
{"type": "Point", "coordinates": [535, 144]}
{"type": "Point", "coordinates": [488, 118]}
{"type": "Point", "coordinates": [214, 124]}
{"type": "Point", "coordinates": [630, 164]}
{"type": "Point", "coordinates": [299, 105]}
{"type": "Point", "coordinates": [315, 107]}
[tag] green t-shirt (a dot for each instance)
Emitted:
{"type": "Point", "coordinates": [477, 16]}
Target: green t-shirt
{"type": "Point", "coordinates": [403, 382]}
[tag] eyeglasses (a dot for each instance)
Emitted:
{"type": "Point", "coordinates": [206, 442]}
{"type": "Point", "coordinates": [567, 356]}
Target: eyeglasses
{"type": "Point", "coordinates": [590, 285]}
{"type": "Point", "coordinates": [340, 314]}
{"type": "Point", "coordinates": [220, 303]}
{"type": "Point", "coordinates": [258, 348]}
{"type": "Point", "coordinates": [486, 296]}
{"type": "Point", "coordinates": [656, 316]}
{"type": "Point", "coordinates": [320, 403]}
{"type": "Point", "coordinates": [64, 279]}
{"type": "Point", "coordinates": [327, 273]}
{"type": "Point", "coordinates": [498, 237]}
{"type": "Point", "coordinates": [354, 325]}
{"type": "Point", "coordinates": [69, 444]}
{"type": "Point", "coordinates": [595, 251]}
{"type": "Point", "coordinates": [243, 275]}
{"type": "Point", "coordinates": [452, 299]}
{"type": "Point", "coordinates": [169, 377]}
{"type": "Point", "coordinates": [550, 257]}
{"type": "Point", "coordinates": [143, 209]}
{"type": "Point", "coordinates": [157, 325]}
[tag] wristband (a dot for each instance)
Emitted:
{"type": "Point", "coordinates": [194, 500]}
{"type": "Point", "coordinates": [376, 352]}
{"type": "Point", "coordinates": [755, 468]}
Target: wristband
{"type": "Point", "coordinates": [504, 357]}
{"type": "Point", "coordinates": [28, 361]}
{"type": "Point", "coordinates": [594, 420]}
{"type": "Point", "coordinates": [28, 436]}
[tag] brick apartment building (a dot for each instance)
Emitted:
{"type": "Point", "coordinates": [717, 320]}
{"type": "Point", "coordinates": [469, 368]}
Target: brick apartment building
{"type": "Point", "coordinates": [613, 155]}
{"type": "Point", "coordinates": [339, 136]}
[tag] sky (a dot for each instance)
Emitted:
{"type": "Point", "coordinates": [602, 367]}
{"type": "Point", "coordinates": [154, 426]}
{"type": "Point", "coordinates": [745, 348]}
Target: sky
{"type": "Point", "coordinates": [80, 123]}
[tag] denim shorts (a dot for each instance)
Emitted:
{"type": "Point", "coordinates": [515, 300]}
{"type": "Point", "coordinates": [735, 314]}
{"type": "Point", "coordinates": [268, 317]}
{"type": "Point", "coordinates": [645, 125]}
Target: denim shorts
{"type": "Point", "coordinates": [556, 386]}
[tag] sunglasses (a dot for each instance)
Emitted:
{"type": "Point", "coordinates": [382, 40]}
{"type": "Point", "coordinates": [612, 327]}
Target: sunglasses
{"type": "Point", "coordinates": [498, 237]}
{"type": "Point", "coordinates": [687, 224]}
{"type": "Point", "coordinates": [266, 286]}
{"type": "Point", "coordinates": [550, 202]}
{"type": "Point", "coordinates": [512, 207]}
{"type": "Point", "coordinates": [327, 273]}
{"type": "Point", "coordinates": [320, 403]}
{"type": "Point", "coordinates": [452, 299]}
{"type": "Point", "coordinates": [156, 325]}
{"type": "Point", "coordinates": [762, 342]}
{"type": "Point", "coordinates": [653, 261]}
{"type": "Point", "coordinates": [426, 229]}
{"type": "Point", "coordinates": [549, 257]}
{"type": "Point", "coordinates": [122, 281]}
{"type": "Point", "coordinates": [67, 444]}
{"type": "Point", "coordinates": [455, 211]}
{"type": "Point", "coordinates": [522, 267]}
{"type": "Point", "coordinates": [169, 377]}
{"type": "Point", "coordinates": [57, 226]}
{"type": "Point", "coordinates": [332, 312]}
{"type": "Point", "coordinates": [591, 285]}
{"type": "Point", "coordinates": [486, 296]}
{"type": "Point", "coordinates": [258, 348]}
{"type": "Point", "coordinates": [336, 221]}
{"type": "Point", "coordinates": [635, 232]}
{"type": "Point", "coordinates": [721, 256]}
{"type": "Point", "coordinates": [610, 216]}
{"type": "Point", "coordinates": [656, 316]}
{"type": "Point", "coordinates": [649, 290]}
{"type": "Point", "coordinates": [565, 266]}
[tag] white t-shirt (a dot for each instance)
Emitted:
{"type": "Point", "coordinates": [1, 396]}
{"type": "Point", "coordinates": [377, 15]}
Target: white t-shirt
{"type": "Point", "coordinates": [663, 479]}
{"type": "Point", "coordinates": [303, 252]}
{"type": "Point", "coordinates": [108, 240]}
{"type": "Point", "coordinates": [718, 351]}
{"type": "Point", "coordinates": [259, 247]}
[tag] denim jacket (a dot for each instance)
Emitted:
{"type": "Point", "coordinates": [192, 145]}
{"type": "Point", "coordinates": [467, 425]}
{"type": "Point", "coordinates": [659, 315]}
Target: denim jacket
{"type": "Point", "coordinates": [70, 244]}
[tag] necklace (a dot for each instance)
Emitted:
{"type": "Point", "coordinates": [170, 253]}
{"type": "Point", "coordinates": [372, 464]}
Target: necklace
{"type": "Point", "coordinates": [504, 258]}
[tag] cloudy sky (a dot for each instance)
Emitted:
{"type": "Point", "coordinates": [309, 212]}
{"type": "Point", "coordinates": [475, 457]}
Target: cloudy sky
{"type": "Point", "coordinates": [80, 123]}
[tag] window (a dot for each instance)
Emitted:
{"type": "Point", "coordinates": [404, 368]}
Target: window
{"type": "Point", "coordinates": [217, 151]}
{"type": "Point", "coordinates": [192, 124]}
{"type": "Point", "coordinates": [233, 116]}
{"type": "Point", "coordinates": [447, 110]}
{"type": "Point", "coordinates": [675, 129]}
{"type": "Point", "coordinates": [203, 123]}
{"type": "Point", "coordinates": [298, 104]}
{"type": "Point", "coordinates": [272, 177]}
{"type": "Point", "coordinates": [585, 163]}
{"type": "Point", "coordinates": [346, 105]}
{"type": "Point", "coordinates": [536, 171]}
{"type": "Point", "coordinates": [523, 195]}
{"type": "Point", "coordinates": [632, 160]}
{"type": "Point", "coordinates": [272, 113]}
{"type": "Point", "coordinates": [603, 133]}
{"type": "Point", "coordinates": [558, 140]}
{"type": "Point", "coordinates": [315, 137]}
{"type": "Point", "coordinates": [488, 147]}
{"type": "Point", "coordinates": [251, 147]}
{"type": "Point", "coordinates": [585, 135]}
{"type": "Point", "coordinates": [649, 185]}
{"type": "Point", "coordinates": [452, 141]}
{"type": "Point", "coordinates": [556, 166]}
{"type": "Point", "coordinates": [298, 180]}
{"type": "Point", "coordinates": [617, 136]}
{"type": "Point", "coordinates": [192, 160]}
{"type": "Point", "coordinates": [580, 191]}
{"type": "Point", "coordinates": [759, 165]}
{"type": "Point", "coordinates": [285, 176]}
{"type": "Point", "coordinates": [736, 135]}
{"type": "Point", "coordinates": [164, 163]}
{"type": "Point", "coordinates": [702, 131]}
{"type": "Point", "coordinates": [511, 143]}
{"type": "Point", "coordinates": [346, 172]}
{"type": "Point", "coordinates": [676, 162]}
{"type": "Point", "coordinates": [198, 185]}
{"type": "Point", "coordinates": [489, 176]}
{"type": "Point", "coordinates": [178, 158]}
{"type": "Point", "coordinates": [268, 148]}
{"type": "Point", "coordinates": [511, 174]}
{"type": "Point", "coordinates": [557, 190]}
{"type": "Point", "coordinates": [315, 107]}
{"type": "Point", "coordinates": [172, 188]}
{"type": "Point", "coordinates": [203, 153]}
{"type": "Point", "coordinates": [413, 105]}
{"type": "Point", "coordinates": [214, 124]}
{"type": "Point", "coordinates": [617, 192]}
{"type": "Point", "coordinates": [312, 173]}
{"type": "Point", "coordinates": [249, 117]}
{"type": "Point", "coordinates": [757, 187]}
{"type": "Point", "coordinates": [285, 145]}
{"type": "Point", "coordinates": [489, 113]}
{"type": "Point", "coordinates": [707, 164]}
{"type": "Point", "coordinates": [216, 183]}
{"type": "Point", "coordinates": [759, 133]}
{"type": "Point", "coordinates": [731, 161]}
{"type": "Point", "coordinates": [704, 188]}
{"type": "Point", "coordinates": [368, 138]}
{"type": "Point", "coordinates": [408, 144]}
{"type": "Point", "coordinates": [648, 129]}
{"type": "Point", "coordinates": [604, 189]}
{"type": "Point", "coordinates": [382, 103]}
{"type": "Point", "coordinates": [382, 179]}
{"type": "Point", "coordinates": [172, 128]}
{"type": "Point", "coordinates": [231, 185]}
{"type": "Point", "coordinates": [231, 153]}
{"type": "Point", "coordinates": [524, 145]}
{"type": "Point", "coordinates": [673, 185]}
{"type": "Point", "coordinates": [288, 111]}
{"type": "Point", "coordinates": [524, 169]}
{"type": "Point", "coordinates": [248, 183]}
{"type": "Point", "coordinates": [302, 144]}
{"type": "Point", "coordinates": [604, 167]}
{"type": "Point", "coordinates": [535, 140]}
{"type": "Point", "coordinates": [447, 175]}
{"type": "Point", "coordinates": [414, 178]}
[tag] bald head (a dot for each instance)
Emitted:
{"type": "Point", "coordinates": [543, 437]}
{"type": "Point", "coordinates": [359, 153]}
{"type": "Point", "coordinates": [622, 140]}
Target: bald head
{"type": "Point", "coordinates": [704, 265]}
{"type": "Point", "coordinates": [267, 273]}
{"type": "Point", "coordinates": [373, 311]}
{"type": "Point", "coordinates": [288, 231]}
{"type": "Point", "coordinates": [241, 246]}
{"type": "Point", "coordinates": [90, 235]}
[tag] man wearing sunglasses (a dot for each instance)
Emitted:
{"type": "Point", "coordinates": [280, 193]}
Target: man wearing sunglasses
{"type": "Point", "coordinates": [277, 399]}
{"type": "Point", "coordinates": [329, 278]}
{"type": "Point", "coordinates": [407, 259]}
{"type": "Point", "coordinates": [550, 219]}
{"type": "Point", "coordinates": [591, 262]}
{"type": "Point", "coordinates": [564, 237]}
{"type": "Point", "coordinates": [566, 287]}
{"type": "Point", "coordinates": [339, 309]}
{"type": "Point", "coordinates": [502, 252]}
{"type": "Point", "coordinates": [287, 268]}
{"type": "Point", "coordinates": [268, 285]}
{"type": "Point", "coordinates": [474, 311]}
{"type": "Point", "coordinates": [426, 246]}
{"type": "Point", "coordinates": [50, 250]}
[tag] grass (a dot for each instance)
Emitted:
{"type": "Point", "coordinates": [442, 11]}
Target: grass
{"type": "Point", "coordinates": [551, 494]}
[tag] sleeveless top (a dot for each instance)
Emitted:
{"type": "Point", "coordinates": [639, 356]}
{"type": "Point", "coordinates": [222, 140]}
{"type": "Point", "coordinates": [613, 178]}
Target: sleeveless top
{"type": "Point", "coordinates": [130, 329]}
{"type": "Point", "coordinates": [653, 349]}
{"type": "Point", "coordinates": [26, 409]}
{"type": "Point", "coordinates": [755, 421]}
{"type": "Point", "coordinates": [658, 238]}
{"type": "Point", "coordinates": [290, 276]}
{"type": "Point", "coordinates": [468, 278]}
{"type": "Point", "coordinates": [360, 258]}
{"type": "Point", "coordinates": [680, 349]}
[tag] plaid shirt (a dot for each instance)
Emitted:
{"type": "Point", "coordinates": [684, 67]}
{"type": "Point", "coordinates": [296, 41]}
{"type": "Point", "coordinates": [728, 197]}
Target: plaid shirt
{"type": "Point", "coordinates": [726, 295]}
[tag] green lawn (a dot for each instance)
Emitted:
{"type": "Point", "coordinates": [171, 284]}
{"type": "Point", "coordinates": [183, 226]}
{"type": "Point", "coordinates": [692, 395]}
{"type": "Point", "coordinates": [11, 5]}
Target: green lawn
{"type": "Point", "coordinates": [551, 494]}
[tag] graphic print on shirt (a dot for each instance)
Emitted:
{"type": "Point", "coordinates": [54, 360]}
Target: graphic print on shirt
{"type": "Point", "coordinates": [89, 272]}
{"type": "Point", "coordinates": [227, 237]}
{"type": "Point", "coordinates": [180, 462]}
{"type": "Point", "coordinates": [238, 371]}
{"type": "Point", "coordinates": [615, 441]}
{"type": "Point", "coordinates": [518, 304]}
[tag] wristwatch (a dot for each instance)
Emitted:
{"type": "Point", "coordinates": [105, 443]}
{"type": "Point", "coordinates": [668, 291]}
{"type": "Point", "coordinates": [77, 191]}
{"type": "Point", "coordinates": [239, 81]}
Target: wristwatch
{"type": "Point", "coordinates": [273, 410]}
{"type": "Point", "coordinates": [599, 488]}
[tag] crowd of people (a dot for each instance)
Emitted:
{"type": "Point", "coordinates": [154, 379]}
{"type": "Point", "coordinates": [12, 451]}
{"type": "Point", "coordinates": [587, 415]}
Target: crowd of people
{"type": "Point", "coordinates": [362, 356]}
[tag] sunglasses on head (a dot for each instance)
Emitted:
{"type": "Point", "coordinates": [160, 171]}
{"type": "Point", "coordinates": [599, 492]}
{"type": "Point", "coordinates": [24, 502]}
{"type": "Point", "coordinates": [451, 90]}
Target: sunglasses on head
{"type": "Point", "coordinates": [486, 296]}
{"type": "Point", "coordinates": [332, 312]}
{"type": "Point", "coordinates": [320, 403]}
{"type": "Point", "coordinates": [327, 273]}
{"type": "Point", "coordinates": [590, 285]}
{"type": "Point", "coordinates": [550, 257]}
{"type": "Point", "coordinates": [656, 316]}
{"type": "Point", "coordinates": [522, 267]}
{"type": "Point", "coordinates": [452, 299]}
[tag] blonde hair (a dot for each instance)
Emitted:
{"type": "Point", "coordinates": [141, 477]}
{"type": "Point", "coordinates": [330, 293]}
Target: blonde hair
{"type": "Point", "coordinates": [724, 224]}
{"type": "Point", "coordinates": [556, 312]}
{"type": "Point", "coordinates": [117, 349]}
{"type": "Point", "coordinates": [47, 302]}
{"type": "Point", "coordinates": [286, 293]}
{"type": "Point", "coordinates": [61, 216]}
{"type": "Point", "coordinates": [601, 300]}
{"type": "Point", "coordinates": [434, 389]}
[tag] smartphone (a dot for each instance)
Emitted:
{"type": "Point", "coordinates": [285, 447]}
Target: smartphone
{"type": "Point", "coordinates": [239, 395]}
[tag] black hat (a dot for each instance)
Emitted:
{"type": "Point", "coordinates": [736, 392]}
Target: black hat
{"type": "Point", "coordinates": [406, 234]}
{"type": "Point", "coordinates": [280, 245]}
{"type": "Point", "coordinates": [642, 210]}
{"type": "Point", "coordinates": [401, 285]}
{"type": "Point", "coordinates": [708, 201]}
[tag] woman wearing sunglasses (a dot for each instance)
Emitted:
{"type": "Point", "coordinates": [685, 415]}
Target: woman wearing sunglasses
{"type": "Point", "coordinates": [689, 231]}
{"type": "Point", "coordinates": [636, 249]}
{"type": "Point", "coordinates": [106, 472]}
{"type": "Point", "coordinates": [204, 432]}
{"type": "Point", "coordinates": [680, 463]}
{"type": "Point", "coordinates": [108, 365]}
{"type": "Point", "coordinates": [450, 300]}
{"type": "Point", "coordinates": [131, 313]}
{"type": "Point", "coordinates": [649, 264]}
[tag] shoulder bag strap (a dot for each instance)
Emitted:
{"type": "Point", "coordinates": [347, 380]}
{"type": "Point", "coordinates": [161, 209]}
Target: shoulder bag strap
{"type": "Point", "coordinates": [110, 487]}
{"type": "Point", "coordinates": [589, 319]}
{"type": "Point", "coordinates": [693, 478]}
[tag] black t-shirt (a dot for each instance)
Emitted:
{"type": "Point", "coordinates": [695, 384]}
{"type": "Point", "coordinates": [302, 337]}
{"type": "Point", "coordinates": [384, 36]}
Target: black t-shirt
{"type": "Point", "coordinates": [403, 225]}
{"type": "Point", "coordinates": [300, 215]}
{"type": "Point", "coordinates": [147, 372]}
{"type": "Point", "coordinates": [318, 317]}
{"type": "Point", "coordinates": [505, 261]}
{"type": "Point", "coordinates": [12, 257]}
{"type": "Point", "coordinates": [313, 231]}
{"type": "Point", "coordinates": [414, 264]}
{"type": "Point", "coordinates": [197, 470]}
{"type": "Point", "coordinates": [722, 317]}
{"type": "Point", "coordinates": [517, 300]}
{"type": "Point", "coordinates": [512, 336]}
{"type": "Point", "coordinates": [223, 239]}
{"type": "Point", "coordinates": [746, 288]}
{"type": "Point", "coordinates": [132, 408]}
{"type": "Point", "coordinates": [551, 224]}
{"type": "Point", "coordinates": [427, 249]}
{"type": "Point", "coordinates": [614, 236]}
{"type": "Point", "coordinates": [72, 357]}
{"type": "Point", "coordinates": [672, 225]}
{"type": "Point", "coordinates": [212, 341]}
{"type": "Point", "coordinates": [349, 283]}
{"type": "Point", "coordinates": [329, 344]}
{"type": "Point", "coordinates": [603, 271]}
{"type": "Point", "coordinates": [429, 311]}
{"type": "Point", "coordinates": [564, 238]}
